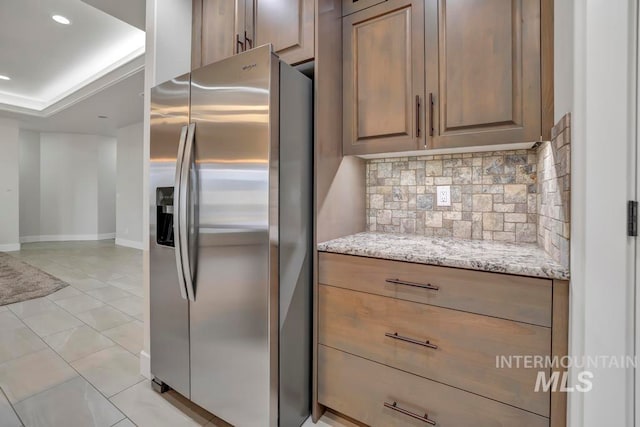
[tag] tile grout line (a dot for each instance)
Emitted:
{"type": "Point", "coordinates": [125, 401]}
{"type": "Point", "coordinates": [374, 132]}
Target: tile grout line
{"type": "Point", "coordinates": [62, 358]}
{"type": "Point", "coordinates": [12, 407]}
{"type": "Point", "coordinates": [131, 319]}
{"type": "Point", "coordinates": [75, 315]}
{"type": "Point", "coordinates": [42, 338]}
{"type": "Point", "coordinates": [79, 375]}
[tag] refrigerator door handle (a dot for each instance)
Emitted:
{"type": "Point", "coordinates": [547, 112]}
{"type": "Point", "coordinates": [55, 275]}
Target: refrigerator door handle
{"type": "Point", "coordinates": [177, 211]}
{"type": "Point", "coordinates": [186, 210]}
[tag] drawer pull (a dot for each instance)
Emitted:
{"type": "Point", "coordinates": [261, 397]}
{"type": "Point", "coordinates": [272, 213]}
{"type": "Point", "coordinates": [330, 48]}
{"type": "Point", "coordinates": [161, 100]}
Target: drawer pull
{"type": "Point", "coordinates": [395, 336]}
{"type": "Point", "coordinates": [415, 285]}
{"type": "Point", "coordinates": [395, 407]}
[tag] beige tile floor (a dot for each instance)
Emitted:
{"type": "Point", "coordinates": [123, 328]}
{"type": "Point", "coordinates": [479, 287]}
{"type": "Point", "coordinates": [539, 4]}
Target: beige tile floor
{"type": "Point", "coordinates": [71, 359]}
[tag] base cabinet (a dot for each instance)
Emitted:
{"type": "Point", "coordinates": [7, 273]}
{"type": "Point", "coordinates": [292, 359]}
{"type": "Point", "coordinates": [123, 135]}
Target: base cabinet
{"type": "Point", "coordinates": [392, 354]}
{"type": "Point", "coordinates": [378, 395]}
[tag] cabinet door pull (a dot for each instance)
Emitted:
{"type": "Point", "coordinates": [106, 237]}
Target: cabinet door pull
{"type": "Point", "coordinates": [247, 41]}
{"type": "Point", "coordinates": [415, 285]}
{"type": "Point", "coordinates": [417, 116]}
{"type": "Point", "coordinates": [395, 336]}
{"type": "Point", "coordinates": [425, 419]}
{"type": "Point", "coordinates": [431, 131]}
{"type": "Point", "coordinates": [239, 44]}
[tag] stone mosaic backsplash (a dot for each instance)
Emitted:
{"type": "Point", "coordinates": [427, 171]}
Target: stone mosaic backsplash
{"type": "Point", "coordinates": [554, 201]}
{"type": "Point", "coordinates": [493, 195]}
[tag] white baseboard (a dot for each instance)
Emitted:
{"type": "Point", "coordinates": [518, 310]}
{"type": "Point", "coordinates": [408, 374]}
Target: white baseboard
{"type": "Point", "coordinates": [106, 236]}
{"type": "Point", "coordinates": [29, 239]}
{"type": "Point", "coordinates": [129, 243]}
{"type": "Point", "coordinates": [145, 364]}
{"type": "Point", "coordinates": [66, 237]}
{"type": "Point", "coordinates": [13, 247]}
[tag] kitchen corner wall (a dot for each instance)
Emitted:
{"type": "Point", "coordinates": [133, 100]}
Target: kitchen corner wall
{"type": "Point", "coordinates": [129, 186]}
{"type": "Point", "coordinates": [70, 187]}
{"type": "Point", "coordinates": [554, 200]}
{"type": "Point", "coordinates": [493, 195]}
{"type": "Point", "coordinates": [9, 186]}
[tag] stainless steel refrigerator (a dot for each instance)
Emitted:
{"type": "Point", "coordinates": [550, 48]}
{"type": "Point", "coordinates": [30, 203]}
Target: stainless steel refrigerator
{"type": "Point", "coordinates": [230, 250]}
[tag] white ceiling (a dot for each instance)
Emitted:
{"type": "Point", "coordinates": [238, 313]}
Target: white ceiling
{"type": "Point", "coordinates": [64, 76]}
{"type": "Point", "coordinates": [122, 103]}
{"type": "Point", "coordinates": [130, 11]}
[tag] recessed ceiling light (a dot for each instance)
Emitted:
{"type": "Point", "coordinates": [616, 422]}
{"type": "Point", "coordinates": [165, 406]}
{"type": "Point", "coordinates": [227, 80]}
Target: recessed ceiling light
{"type": "Point", "coordinates": [4, 77]}
{"type": "Point", "coordinates": [61, 19]}
{"type": "Point", "coordinates": [103, 117]}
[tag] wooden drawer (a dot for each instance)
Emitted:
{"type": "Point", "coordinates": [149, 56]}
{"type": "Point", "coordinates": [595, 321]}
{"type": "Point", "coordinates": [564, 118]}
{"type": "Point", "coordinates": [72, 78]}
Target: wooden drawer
{"type": "Point", "coordinates": [359, 389]}
{"type": "Point", "coordinates": [466, 344]}
{"type": "Point", "coordinates": [523, 299]}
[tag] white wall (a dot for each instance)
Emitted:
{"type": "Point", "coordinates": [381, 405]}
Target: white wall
{"type": "Point", "coordinates": [29, 183]}
{"type": "Point", "coordinates": [171, 33]}
{"type": "Point", "coordinates": [129, 186]}
{"type": "Point", "coordinates": [107, 186]}
{"type": "Point", "coordinates": [601, 93]}
{"type": "Point", "coordinates": [566, 25]}
{"type": "Point", "coordinates": [69, 186]}
{"type": "Point", "coordinates": [563, 57]}
{"type": "Point", "coordinates": [168, 54]}
{"type": "Point", "coordinates": [608, 124]}
{"type": "Point", "coordinates": [9, 186]}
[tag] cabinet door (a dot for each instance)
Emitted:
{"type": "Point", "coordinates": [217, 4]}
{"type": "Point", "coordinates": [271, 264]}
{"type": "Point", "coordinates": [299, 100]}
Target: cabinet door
{"type": "Point", "coordinates": [483, 68]}
{"type": "Point", "coordinates": [220, 26]}
{"type": "Point", "coordinates": [383, 78]}
{"type": "Point", "coordinates": [288, 25]}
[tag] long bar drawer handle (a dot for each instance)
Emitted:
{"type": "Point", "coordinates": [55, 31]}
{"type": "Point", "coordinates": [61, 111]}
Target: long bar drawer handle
{"type": "Point", "coordinates": [395, 336]}
{"type": "Point", "coordinates": [415, 285]}
{"type": "Point", "coordinates": [394, 406]}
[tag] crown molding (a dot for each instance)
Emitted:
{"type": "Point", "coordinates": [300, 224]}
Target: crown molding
{"type": "Point", "coordinates": [117, 72]}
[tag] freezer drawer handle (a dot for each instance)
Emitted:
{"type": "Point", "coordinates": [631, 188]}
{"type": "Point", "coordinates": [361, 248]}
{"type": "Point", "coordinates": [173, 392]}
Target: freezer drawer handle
{"type": "Point", "coordinates": [395, 336]}
{"type": "Point", "coordinates": [177, 213]}
{"type": "Point", "coordinates": [394, 406]}
{"type": "Point", "coordinates": [413, 284]}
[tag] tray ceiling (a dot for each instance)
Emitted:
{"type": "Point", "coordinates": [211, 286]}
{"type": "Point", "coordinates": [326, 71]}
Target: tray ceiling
{"type": "Point", "coordinates": [47, 62]}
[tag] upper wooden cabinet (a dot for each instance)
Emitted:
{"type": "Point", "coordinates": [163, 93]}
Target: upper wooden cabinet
{"type": "Point", "coordinates": [483, 67]}
{"type": "Point", "coordinates": [289, 25]}
{"type": "Point", "coordinates": [222, 28]}
{"type": "Point", "coordinates": [481, 75]}
{"type": "Point", "coordinates": [383, 66]}
{"type": "Point", "coordinates": [219, 23]}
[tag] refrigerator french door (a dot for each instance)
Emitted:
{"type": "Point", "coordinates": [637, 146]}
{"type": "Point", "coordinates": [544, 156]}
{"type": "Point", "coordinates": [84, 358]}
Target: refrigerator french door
{"type": "Point", "coordinates": [230, 249]}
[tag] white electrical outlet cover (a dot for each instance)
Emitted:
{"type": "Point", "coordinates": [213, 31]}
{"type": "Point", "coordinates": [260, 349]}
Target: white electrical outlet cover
{"type": "Point", "coordinates": [443, 195]}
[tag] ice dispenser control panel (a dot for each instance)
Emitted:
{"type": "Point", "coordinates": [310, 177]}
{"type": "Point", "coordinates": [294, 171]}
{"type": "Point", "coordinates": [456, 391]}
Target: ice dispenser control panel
{"type": "Point", "coordinates": [164, 210]}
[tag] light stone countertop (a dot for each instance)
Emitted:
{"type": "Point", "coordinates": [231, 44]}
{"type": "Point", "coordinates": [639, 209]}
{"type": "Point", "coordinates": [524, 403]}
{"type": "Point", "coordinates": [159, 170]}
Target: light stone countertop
{"type": "Point", "coordinates": [523, 259]}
